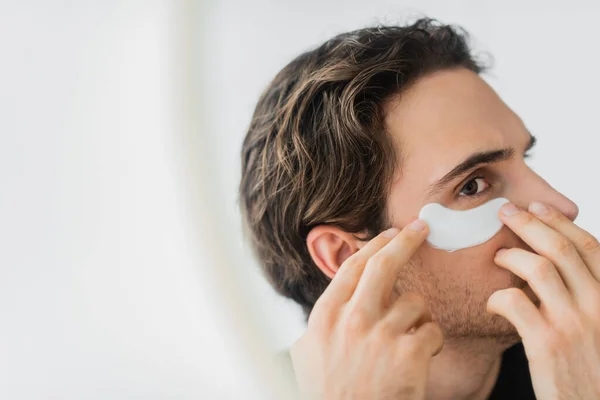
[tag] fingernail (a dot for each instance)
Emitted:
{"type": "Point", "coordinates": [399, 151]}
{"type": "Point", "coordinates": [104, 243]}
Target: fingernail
{"type": "Point", "coordinates": [391, 232]}
{"type": "Point", "coordinates": [417, 225]}
{"type": "Point", "coordinates": [538, 208]}
{"type": "Point", "coordinates": [499, 252]}
{"type": "Point", "coordinates": [509, 209]}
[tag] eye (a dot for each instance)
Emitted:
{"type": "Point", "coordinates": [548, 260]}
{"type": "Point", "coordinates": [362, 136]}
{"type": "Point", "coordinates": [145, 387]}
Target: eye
{"type": "Point", "coordinates": [474, 187]}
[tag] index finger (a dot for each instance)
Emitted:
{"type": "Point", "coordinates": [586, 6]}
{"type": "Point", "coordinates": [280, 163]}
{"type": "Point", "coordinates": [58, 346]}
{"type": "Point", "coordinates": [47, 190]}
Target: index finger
{"type": "Point", "coordinates": [376, 284]}
{"type": "Point", "coordinates": [548, 243]}
{"type": "Point", "coordinates": [346, 279]}
{"type": "Point", "coordinates": [587, 245]}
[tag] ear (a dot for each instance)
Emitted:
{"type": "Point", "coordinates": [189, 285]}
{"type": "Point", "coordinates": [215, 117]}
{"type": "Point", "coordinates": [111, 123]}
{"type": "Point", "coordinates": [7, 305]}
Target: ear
{"type": "Point", "coordinates": [329, 247]}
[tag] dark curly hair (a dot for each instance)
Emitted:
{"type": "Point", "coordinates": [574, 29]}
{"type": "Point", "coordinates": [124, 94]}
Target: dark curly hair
{"type": "Point", "coordinates": [317, 152]}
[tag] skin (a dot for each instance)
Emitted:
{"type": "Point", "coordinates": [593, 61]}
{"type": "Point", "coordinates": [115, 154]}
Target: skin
{"type": "Point", "coordinates": [359, 343]}
{"type": "Point", "coordinates": [447, 117]}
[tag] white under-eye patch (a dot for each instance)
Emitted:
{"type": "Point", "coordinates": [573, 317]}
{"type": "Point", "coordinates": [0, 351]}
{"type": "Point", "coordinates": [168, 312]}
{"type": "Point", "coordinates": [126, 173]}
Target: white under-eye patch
{"type": "Point", "coordinates": [453, 230]}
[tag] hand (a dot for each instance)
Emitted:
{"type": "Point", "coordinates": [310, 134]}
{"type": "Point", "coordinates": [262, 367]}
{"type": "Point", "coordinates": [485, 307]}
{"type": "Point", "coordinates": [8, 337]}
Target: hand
{"type": "Point", "coordinates": [362, 341]}
{"type": "Point", "coordinates": [562, 337]}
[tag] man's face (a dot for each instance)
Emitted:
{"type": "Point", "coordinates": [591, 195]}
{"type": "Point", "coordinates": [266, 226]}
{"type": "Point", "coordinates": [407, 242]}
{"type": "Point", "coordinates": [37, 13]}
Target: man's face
{"type": "Point", "coordinates": [443, 120]}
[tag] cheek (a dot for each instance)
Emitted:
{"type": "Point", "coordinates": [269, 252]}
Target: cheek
{"type": "Point", "coordinates": [471, 264]}
{"type": "Point", "coordinates": [483, 255]}
{"type": "Point", "coordinates": [505, 239]}
{"type": "Point", "coordinates": [465, 264]}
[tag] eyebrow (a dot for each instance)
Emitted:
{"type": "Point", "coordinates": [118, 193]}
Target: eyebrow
{"type": "Point", "coordinates": [474, 160]}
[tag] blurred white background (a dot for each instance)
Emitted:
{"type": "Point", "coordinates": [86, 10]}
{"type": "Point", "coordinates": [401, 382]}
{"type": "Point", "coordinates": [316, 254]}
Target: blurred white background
{"type": "Point", "coordinates": [116, 116]}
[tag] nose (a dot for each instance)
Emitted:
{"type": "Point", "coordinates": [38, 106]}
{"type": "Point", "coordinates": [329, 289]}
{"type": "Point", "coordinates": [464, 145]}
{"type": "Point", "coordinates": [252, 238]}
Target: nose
{"type": "Point", "coordinates": [532, 187]}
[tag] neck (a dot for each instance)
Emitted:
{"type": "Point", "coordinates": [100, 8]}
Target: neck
{"type": "Point", "coordinates": [466, 368]}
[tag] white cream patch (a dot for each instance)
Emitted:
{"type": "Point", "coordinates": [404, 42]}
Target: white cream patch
{"type": "Point", "coordinates": [453, 230]}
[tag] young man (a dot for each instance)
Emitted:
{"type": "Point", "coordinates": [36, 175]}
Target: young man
{"type": "Point", "coordinates": [352, 139]}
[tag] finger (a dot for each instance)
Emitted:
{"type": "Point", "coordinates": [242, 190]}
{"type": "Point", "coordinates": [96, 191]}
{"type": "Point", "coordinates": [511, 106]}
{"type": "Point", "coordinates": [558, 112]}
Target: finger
{"type": "Point", "coordinates": [514, 305]}
{"type": "Point", "coordinates": [374, 289]}
{"type": "Point", "coordinates": [430, 336]}
{"type": "Point", "coordinates": [540, 273]}
{"type": "Point", "coordinates": [409, 311]}
{"type": "Point", "coordinates": [586, 244]}
{"type": "Point", "coordinates": [346, 279]}
{"type": "Point", "coordinates": [551, 244]}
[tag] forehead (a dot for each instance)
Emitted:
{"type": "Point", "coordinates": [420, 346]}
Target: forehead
{"type": "Point", "coordinates": [451, 113]}
{"type": "Point", "coordinates": [444, 118]}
